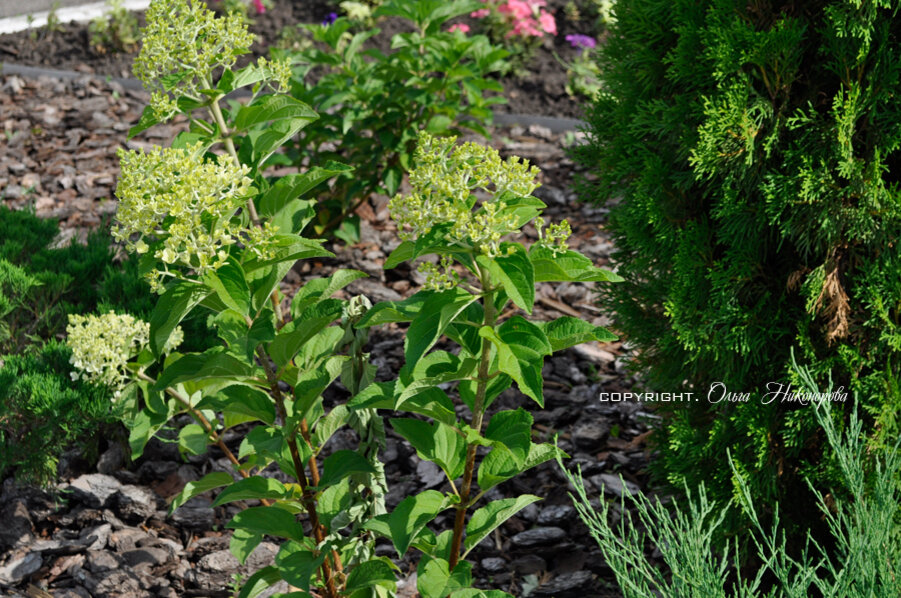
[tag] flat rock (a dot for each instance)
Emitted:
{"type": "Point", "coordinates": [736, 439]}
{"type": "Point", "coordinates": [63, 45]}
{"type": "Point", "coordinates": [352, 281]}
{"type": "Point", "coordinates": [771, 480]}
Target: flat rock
{"type": "Point", "coordinates": [539, 536]}
{"type": "Point", "coordinates": [94, 489]}
{"type": "Point", "coordinates": [612, 485]}
{"type": "Point", "coordinates": [556, 514]}
{"type": "Point", "coordinates": [19, 568]}
{"type": "Point", "coordinates": [17, 528]}
{"type": "Point", "coordinates": [564, 583]}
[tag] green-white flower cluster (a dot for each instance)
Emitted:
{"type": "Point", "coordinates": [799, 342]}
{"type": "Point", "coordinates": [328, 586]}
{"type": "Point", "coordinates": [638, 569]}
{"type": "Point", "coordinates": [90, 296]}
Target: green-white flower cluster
{"type": "Point", "coordinates": [444, 180]}
{"type": "Point", "coordinates": [102, 345]}
{"type": "Point", "coordinates": [184, 44]}
{"type": "Point", "coordinates": [187, 205]}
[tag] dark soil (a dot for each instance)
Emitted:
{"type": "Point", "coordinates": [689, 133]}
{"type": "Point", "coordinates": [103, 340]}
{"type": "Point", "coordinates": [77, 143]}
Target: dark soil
{"type": "Point", "coordinates": [540, 92]}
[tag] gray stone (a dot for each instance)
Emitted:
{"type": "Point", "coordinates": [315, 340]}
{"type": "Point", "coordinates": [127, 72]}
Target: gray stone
{"type": "Point", "coordinates": [17, 569]}
{"type": "Point", "coordinates": [148, 555]}
{"type": "Point", "coordinates": [539, 536]}
{"type": "Point", "coordinates": [17, 528]}
{"type": "Point", "coordinates": [612, 485]}
{"type": "Point", "coordinates": [529, 564]}
{"type": "Point", "coordinates": [94, 489]}
{"type": "Point", "coordinates": [556, 514]}
{"type": "Point", "coordinates": [494, 565]}
{"type": "Point", "coordinates": [121, 583]}
{"type": "Point", "coordinates": [96, 538]}
{"type": "Point", "coordinates": [374, 290]}
{"type": "Point", "coordinates": [196, 514]}
{"type": "Point", "coordinates": [13, 191]}
{"type": "Point", "coordinates": [565, 582]}
{"type": "Point", "coordinates": [430, 475]}
{"type": "Point", "coordinates": [98, 561]}
{"type": "Point", "coordinates": [590, 435]}
{"type": "Point", "coordinates": [550, 195]}
{"type": "Point", "coordinates": [112, 459]}
{"type": "Point", "coordinates": [134, 504]}
{"type": "Point", "coordinates": [127, 539]}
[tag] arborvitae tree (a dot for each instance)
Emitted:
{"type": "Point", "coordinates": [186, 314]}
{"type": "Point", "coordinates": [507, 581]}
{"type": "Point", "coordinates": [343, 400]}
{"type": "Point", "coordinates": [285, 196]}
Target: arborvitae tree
{"type": "Point", "coordinates": [750, 151]}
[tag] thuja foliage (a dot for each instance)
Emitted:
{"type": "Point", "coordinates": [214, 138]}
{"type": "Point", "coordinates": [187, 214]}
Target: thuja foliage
{"type": "Point", "coordinates": [372, 104]}
{"type": "Point", "coordinates": [863, 558]}
{"type": "Point", "coordinates": [753, 151]}
{"type": "Point", "coordinates": [42, 413]}
{"type": "Point", "coordinates": [217, 235]}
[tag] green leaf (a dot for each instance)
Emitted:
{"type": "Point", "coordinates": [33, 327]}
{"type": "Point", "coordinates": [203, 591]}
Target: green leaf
{"type": "Point", "coordinates": [322, 288]}
{"type": "Point", "coordinates": [377, 572]}
{"type": "Point", "coordinates": [292, 186]}
{"type": "Point", "coordinates": [435, 580]}
{"type": "Point", "coordinates": [409, 518]}
{"type": "Point", "coordinates": [193, 439]}
{"type": "Point", "coordinates": [210, 481]}
{"type": "Point", "coordinates": [386, 312]}
{"type": "Point", "coordinates": [259, 582]}
{"type": "Point", "coordinates": [499, 465]}
{"type": "Point", "coordinates": [292, 337]}
{"type": "Point", "coordinates": [514, 272]}
{"type": "Point", "coordinates": [269, 521]}
{"type": "Point", "coordinates": [527, 374]}
{"type": "Point", "coordinates": [297, 565]}
{"type": "Point", "coordinates": [439, 124]}
{"type": "Point", "coordinates": [424, 378]}
{"type": "Point", "coordinates": [341, 464]}
{"type": "Point", "coordinates": [437, 312]}
{"type": "Point", "coordinates": [567, 266]}
{"type": "Point", "coordinates": [488, 518]}
{"type": "Point", "coordinates": [243, 543]}
{"type": "Point", "coordinates": [289, 248]}
{"type": "Point", "coordinates": [567, 332]}
{"type": "Point", "coordinates": [404, 252]}
{"type": "Point", "coordinates": [513, 429]}
{"type": "Point", "coordinates": [230, 285]}
{"type": "Point", "coordinates": [200, 366]}
{"type": "Point", "coordinates": [431, 402]}
{"type": "Point", "coordinates": [148, 119]}
{"type": "Point", "coordinates": [170, 309]}
{"type": "Point", "coordinates": [244, 402]}
{"type": "Point", "coordinates": [252, 488]}
{"type": "Point", "coordinates": [440, 444]}
{"type": "Point", "coordinates": [274, 107]}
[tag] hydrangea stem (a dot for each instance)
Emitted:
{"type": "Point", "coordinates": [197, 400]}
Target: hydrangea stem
{"type": "Point", "coordinates": [224, 133]}
{"type": "Point", "coordinates": [478, 413]}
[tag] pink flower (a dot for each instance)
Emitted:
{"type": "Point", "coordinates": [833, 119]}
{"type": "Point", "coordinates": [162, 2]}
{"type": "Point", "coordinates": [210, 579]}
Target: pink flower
{"type": "Point", "coordinates": [525, 27]}
{"type": "Point", "coordinates": [519, 9]}
{"type": "Point", "coordinates": [258, 4]}
{"type": "Point", "coordinates": [459, 27]}
{"type": "Point", "coordinates": [482, 12]}
{"type": "Point", "coordinates": [548, 23]}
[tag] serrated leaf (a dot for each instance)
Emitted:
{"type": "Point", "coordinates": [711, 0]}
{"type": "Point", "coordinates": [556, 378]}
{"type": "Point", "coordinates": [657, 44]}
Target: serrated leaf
{"type": "Point", "coordinates": [170, 309]}
{"type": "Point", "coordinates": [269, 521]}
{"type": "Point", "coordinates": [409, 518]}
{"type": "Point", "coordinates": [200, 366]}
{"type": "Point", "coordinates": [527, 374]}
{"type": "Point", "coordinates": [438, 443]}
{"type": "Point", "coordinates": [376, 572]}
{"type": "Point", "coordinates": [293, 336]}
{"type": "Point", "coordinates": [273, 108]}
{"type": "Point", "coordinates": [252, 488]}
{"type": "Point", "coordinates": [499, 465]}
{"type": "Point", "coordinates": [488, 518]}
{"type": "Point", "coordinates": [341, 464]}
{"type": "Point", "coordinates": [567, 266]}
{"type": "Point", "coordinates": [567, 332]}
{"type": "Point", "coordinates": [513, 429]}
{"type": "Point", "coordinates": [193, 439]}
{"type": "Point", "coordinates": [243, 542]}
{"type": "Point", "coordinates": [514, 272]}
{"type": "Point", "coordinates": [210, 481]}
{"type": "Point", "coordinates": [437, 312]}
{"type": "Point", "coordinates": [259, 582]}
{"type": "Point", "coordinates": [319, 289]}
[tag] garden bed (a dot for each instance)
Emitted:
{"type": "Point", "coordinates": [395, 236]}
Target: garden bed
{"type": "Point", "coordinates": [540, 92]}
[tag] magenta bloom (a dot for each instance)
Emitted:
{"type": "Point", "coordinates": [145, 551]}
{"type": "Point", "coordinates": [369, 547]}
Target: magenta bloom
{"type": "Point", "coordinates": [459, 27]}
{"type": "Point", "coordinates": [258, 4]}
{"type": "Point", "coordinates": [577, 40]}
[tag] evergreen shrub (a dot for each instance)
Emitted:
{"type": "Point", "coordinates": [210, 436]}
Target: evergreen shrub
{"type": "Point", "coordinates": [750, 152]}
{"type": "Point", "coordinates": [42, 411]}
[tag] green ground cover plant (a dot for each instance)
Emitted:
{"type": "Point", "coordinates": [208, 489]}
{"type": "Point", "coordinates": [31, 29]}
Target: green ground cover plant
{"type": "Point", "coordinates": [751, 153]}
{"type": "Point", "coordinates": [373, 105]}
{"type": "Point", "coordinates": [217, 234]}
{"type": "Point", "coordinates": [862, 558]}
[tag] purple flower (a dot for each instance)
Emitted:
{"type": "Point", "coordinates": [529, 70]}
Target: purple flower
{"type": "Point", "coordinates": [331, 18]}
{"type": "Point", "coordinates": [577, 40]}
